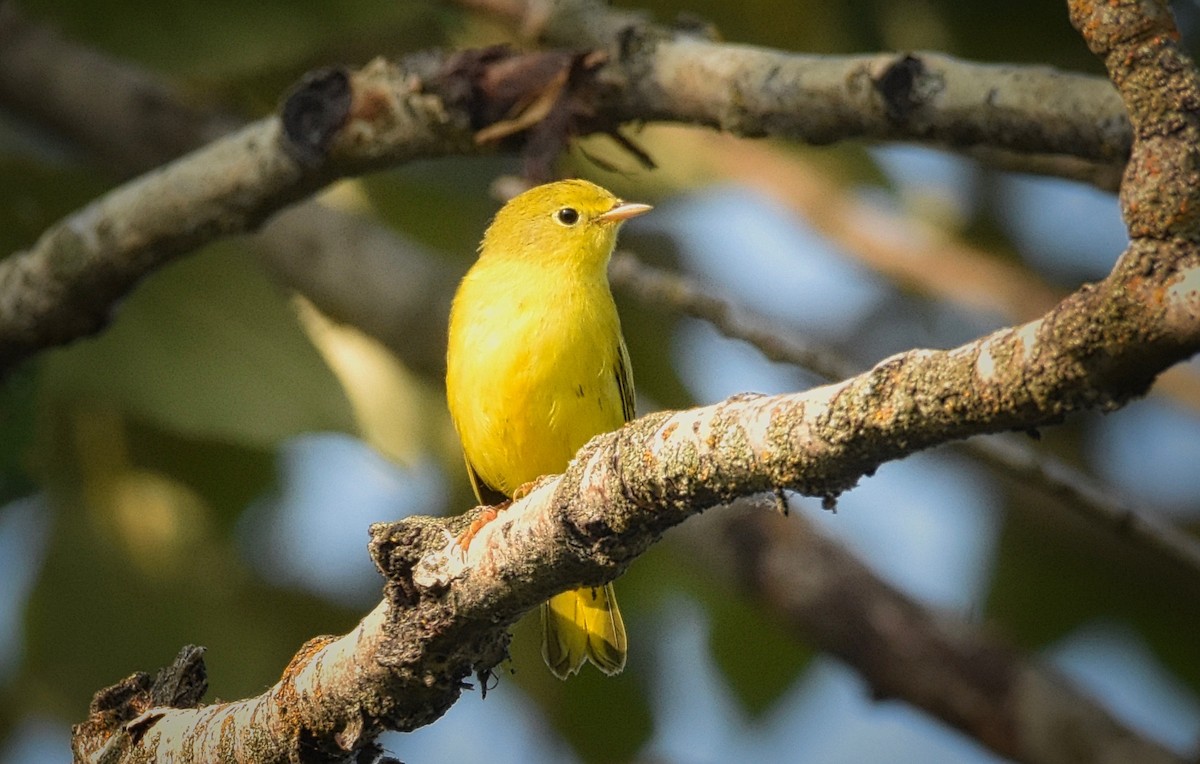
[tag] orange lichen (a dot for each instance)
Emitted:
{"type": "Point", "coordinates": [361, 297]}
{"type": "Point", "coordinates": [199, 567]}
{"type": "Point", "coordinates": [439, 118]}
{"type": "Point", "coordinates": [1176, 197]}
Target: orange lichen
{"type": "Point", "coordinates": [306, 653]}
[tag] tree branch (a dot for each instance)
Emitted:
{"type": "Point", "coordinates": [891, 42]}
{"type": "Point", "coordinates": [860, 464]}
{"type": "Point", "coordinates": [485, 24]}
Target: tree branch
{"type": "Point", "coordinates": [963, 675]}
{"type": "Point", "coordinates": [65, 285]}
{"type": "Point", "coordinates": [447, 610]}
{"type": "Point", "coordinates": [339, 260]}
{"type": "Point", "coordinates": [352, 268]}
{"type": "Point", "coordinates": [128, 117]}
{"type": "Point", "coordinates": [1084, 494]}
{"type": "Point", "coordinates": [1031, 119]}
{"type": "Point", "coordinates": [362, 273]}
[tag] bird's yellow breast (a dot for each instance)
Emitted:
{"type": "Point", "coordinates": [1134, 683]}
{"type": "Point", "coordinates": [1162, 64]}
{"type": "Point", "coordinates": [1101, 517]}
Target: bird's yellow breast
{"type": "Point", "coordinates": [532, 367]}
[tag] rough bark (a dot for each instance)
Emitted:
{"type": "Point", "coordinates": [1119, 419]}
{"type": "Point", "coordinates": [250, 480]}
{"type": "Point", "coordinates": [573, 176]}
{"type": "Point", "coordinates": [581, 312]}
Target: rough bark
{"type": "Point", "coordinates": [446, 610]}
{"type": "Point", "coordinates": [65, 286]}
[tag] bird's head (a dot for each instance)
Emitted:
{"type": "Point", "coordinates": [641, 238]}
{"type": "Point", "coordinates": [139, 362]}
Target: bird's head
{"type": "Point", "coordinates": [568, 221]}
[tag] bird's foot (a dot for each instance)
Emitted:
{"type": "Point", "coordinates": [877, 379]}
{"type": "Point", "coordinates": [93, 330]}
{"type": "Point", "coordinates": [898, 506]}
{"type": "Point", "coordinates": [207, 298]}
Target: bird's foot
{"type": "Point", "coordinates": [486, 515]}
{"type": "Point", "coordinates": [524, 490]}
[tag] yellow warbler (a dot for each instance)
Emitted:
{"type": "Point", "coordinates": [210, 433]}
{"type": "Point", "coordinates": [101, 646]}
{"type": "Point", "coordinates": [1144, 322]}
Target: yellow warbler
{"type": "Point", "coordinates": [536, 366]}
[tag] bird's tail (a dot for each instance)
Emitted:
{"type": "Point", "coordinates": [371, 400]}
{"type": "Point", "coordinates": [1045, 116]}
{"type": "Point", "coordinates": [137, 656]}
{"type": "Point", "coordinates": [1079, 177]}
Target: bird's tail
{"type": "Point", "coordinates": [580, 625]}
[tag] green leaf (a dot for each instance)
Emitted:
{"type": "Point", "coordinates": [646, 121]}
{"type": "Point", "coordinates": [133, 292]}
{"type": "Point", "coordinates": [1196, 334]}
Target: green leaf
{"type": "Point", "coordinates": [210, 349]}
{"type": "Point", "coordinates": [415, 198]}
{"type": "Point", "coordinates": [227, 476]}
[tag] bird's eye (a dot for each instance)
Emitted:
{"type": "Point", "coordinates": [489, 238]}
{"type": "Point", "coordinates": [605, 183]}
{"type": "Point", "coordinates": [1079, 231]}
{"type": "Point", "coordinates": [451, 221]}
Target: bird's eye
{"type": "Point", "coordinates": [567, 216]}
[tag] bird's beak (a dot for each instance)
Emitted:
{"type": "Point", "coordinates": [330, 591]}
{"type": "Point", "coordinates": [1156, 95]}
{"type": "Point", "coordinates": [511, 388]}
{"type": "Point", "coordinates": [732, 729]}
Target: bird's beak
{"type": "Point", "coordinates": [624, 211]}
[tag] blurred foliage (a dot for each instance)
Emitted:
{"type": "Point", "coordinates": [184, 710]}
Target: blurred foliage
{"type": "Point", "coordinates": [207, 348]}
{"type": "Point", "coordinates": [444, 204]}
{"type": "Point", "coordinates": [35, 191]}
{"type": "Point", "coordinates": [137, 572]}
{"type": "Point", "coordinates": [1028, 31]}
{"type": "Point", "coordinates": [757, 657]}
{"type": "Point", "coordinates": [1055, 570]}
{"type": "Point", "coordinates": [602, 718]}
{"type": "Point", "coordinates": [18, 398]}
{"type": "Point", "coordinates": [152, 439]}
{"type": "Point", "coordinates": [218, 40]}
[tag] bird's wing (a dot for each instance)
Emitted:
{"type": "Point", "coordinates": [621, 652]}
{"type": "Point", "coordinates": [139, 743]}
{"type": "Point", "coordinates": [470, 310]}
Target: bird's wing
{"type": "Point", "coordinates": [484, 493]}
{"type": "Point", "coordinates": [624, 374]}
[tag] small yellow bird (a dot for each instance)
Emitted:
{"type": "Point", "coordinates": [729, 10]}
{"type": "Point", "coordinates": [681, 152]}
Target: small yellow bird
{"type": "Point", "coordinates": [536, 366]}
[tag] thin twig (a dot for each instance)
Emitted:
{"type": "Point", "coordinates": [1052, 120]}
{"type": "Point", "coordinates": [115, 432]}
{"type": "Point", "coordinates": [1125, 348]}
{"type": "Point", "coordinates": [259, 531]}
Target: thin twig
{"type": "Point", "coordinates": [658, 287]}
{"type": "Point", "coordinates": [1089, 497]}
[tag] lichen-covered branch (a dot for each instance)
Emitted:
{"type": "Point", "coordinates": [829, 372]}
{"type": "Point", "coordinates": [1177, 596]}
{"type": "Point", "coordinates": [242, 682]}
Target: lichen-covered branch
{"type": "Point", "coordinates": [1033, 119]}
{"type": "Point", "coordinates": [313, 708]}
{"type": "Point", "coordinates": [65, 285]}
{"type": "Point", "coordinates": [340, 260]}
{"type": "Point", "coordinates": [351, 267]}
{"type": "Point", "coordinates": [1082, 493]}
{"type": "Point", "coordinates": [447, 609]}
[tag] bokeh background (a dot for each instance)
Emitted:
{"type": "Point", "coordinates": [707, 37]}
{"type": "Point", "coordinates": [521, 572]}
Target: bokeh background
{"type": "Point", "coordinates": [205, 470]}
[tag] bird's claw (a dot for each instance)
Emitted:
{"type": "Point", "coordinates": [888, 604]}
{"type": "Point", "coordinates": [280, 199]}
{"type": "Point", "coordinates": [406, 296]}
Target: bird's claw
{"type": "Point", "coordinates": [486, 515]}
